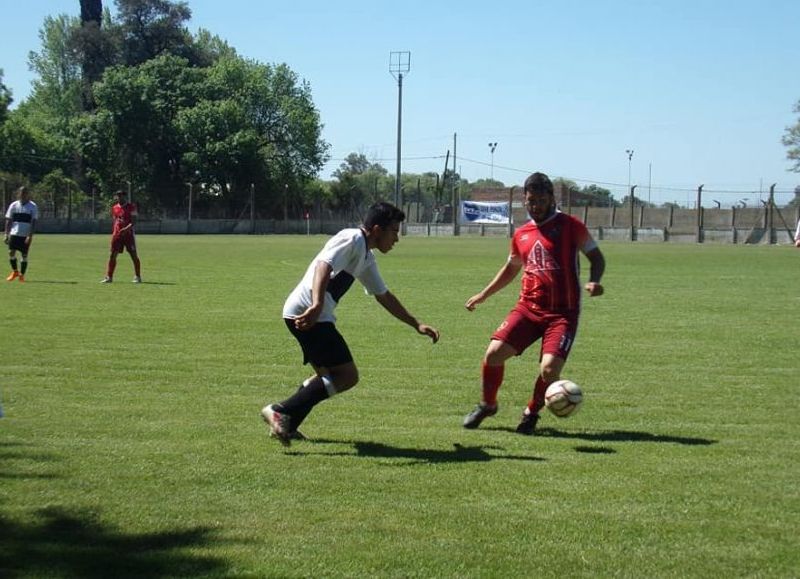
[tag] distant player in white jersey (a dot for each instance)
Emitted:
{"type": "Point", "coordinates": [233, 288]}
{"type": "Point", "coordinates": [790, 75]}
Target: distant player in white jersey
{"type": "Point", "coordinates": [309, 314]}
{"type": "Point", "coordinates": [20, 223]}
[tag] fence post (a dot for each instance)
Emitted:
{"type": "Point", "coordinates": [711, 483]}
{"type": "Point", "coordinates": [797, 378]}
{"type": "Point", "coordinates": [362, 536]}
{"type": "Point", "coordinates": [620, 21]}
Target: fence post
{"type": "Point", "coordinates": [633, 222]}
{"type": "Point", "coordinates": [699, 208]}
{"type": "Point", "coordinates": [771, 237]}
{"type": "Point", "coordinates": [252, 208]}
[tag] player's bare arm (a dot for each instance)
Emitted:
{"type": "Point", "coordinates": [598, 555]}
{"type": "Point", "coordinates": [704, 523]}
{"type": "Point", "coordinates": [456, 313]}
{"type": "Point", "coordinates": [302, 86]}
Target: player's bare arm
{"type": "Point", "coordinates": [597, 266]}
{"type": "Point", "coordinates": [504, 277]}
{"type": "Point", "coordinates": [394, 307]}
{"type": "Point", "coordinates": [322, 275]}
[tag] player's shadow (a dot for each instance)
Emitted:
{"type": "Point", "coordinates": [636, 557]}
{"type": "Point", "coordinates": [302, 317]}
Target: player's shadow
{"type": "Point", "coordinates": [18, 462]}
{"type": "Point", "coordinates": [459, 453]}
{"type": "Point", "coordinates": [56, 281]}
{"type": "Point", "coordinates": [625, 436]}
{"type": "Point", "coordinates": [57, 542]}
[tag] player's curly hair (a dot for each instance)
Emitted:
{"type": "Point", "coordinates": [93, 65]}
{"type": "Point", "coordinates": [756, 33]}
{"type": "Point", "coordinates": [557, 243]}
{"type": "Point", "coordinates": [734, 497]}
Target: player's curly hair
{"type": "Point", "coordinates": [382, 214]}
{"type": "Point", "coordinates": [538, 183]}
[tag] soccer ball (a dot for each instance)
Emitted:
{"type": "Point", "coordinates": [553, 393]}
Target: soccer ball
{"type": "Point", "coordinates": [563, 397]}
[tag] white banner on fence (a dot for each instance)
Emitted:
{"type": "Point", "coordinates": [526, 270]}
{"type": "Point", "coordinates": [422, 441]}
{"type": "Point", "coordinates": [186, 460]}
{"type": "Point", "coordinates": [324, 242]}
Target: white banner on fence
{"type": "Point", "coordinates": [483, 212]}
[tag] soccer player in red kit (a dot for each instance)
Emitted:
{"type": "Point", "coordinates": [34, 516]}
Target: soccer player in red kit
{"type": "Point", "coordinates": [546, 249]}
{"type": "Point", "coordinates": [123, 237]}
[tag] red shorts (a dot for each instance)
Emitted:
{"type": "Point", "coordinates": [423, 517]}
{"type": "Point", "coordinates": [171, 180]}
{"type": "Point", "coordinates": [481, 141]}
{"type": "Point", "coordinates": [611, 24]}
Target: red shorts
{"type": "Point", "coordinates": [522, 327]}
{"type": "Point", "coordinates": [123, 242]}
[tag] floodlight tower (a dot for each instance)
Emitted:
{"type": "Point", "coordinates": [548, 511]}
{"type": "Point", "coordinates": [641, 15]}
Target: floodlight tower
{"type": "Point", "coordinates": [399, 64]}
{"type": "Point", "coordinates": [629, 152]}
{"type": "Point", "coordinates": [492, 147]}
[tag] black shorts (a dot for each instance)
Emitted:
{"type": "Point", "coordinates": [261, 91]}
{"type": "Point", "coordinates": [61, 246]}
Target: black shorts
{"type": "Point", "coordinates": [17, 242]}
{"type": "Point", "coordinates": [322, 344]}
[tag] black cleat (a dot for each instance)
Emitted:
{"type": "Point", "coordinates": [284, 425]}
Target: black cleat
{"type": "Point", "coordinates": [527, 424]}
{"type": "Point", "coordinates": [481, 411]}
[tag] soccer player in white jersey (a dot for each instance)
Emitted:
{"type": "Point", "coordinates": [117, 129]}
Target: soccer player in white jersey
{"type": "Point", "coordinates": [309, 314]}
{"type": "Point", "coordinates": [20, 223]}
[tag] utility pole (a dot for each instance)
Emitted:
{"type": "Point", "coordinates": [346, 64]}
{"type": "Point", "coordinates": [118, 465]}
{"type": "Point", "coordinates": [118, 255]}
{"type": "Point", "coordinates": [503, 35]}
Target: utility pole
{"type": "Point", "coordinates": [399, 64]}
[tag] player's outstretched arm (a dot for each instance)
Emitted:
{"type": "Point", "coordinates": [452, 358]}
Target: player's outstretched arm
{"type": "Point", "coordinates": [504, 277]}
{"type": "Point", "coordinates": [394, 307]}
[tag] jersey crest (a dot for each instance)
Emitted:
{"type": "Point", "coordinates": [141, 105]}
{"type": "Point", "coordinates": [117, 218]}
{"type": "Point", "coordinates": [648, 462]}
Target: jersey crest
{"type": "Point", "coordinates": [539, 259]}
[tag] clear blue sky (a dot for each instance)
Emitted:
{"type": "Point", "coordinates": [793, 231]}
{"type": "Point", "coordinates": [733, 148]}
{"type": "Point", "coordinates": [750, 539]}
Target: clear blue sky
{"type": "Point", "coordinates": [701, 90]}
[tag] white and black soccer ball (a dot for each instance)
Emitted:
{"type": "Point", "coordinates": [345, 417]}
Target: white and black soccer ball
{"type": "Point", "coordinates": [563, 398]}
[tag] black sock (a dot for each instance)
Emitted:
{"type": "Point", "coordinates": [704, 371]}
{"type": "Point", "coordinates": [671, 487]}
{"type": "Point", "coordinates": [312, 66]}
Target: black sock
{"type": "Point", "coordinates": [13, 263]}
{"type": "Point", "coordinates": [305, 398]}
{"type": "Point", "coordinates": [24, 267]}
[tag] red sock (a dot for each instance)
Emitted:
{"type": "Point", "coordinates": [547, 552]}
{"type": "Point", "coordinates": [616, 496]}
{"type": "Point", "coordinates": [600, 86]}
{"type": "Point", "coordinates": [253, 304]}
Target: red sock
{"type": "Point", "coordinates": [536, 403]}
{"type": "Point", "coordinates": [112, 264]}
{"type": "Point", "coordinates": [491, 377]}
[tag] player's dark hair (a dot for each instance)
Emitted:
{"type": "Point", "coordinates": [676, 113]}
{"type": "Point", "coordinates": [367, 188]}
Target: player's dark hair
{"type": "Point", "coordinates": [121, 192]}
{"type": "Point", "coordinates": [538, 183]}
{"type": "Point", "coordinates": [382, 214]}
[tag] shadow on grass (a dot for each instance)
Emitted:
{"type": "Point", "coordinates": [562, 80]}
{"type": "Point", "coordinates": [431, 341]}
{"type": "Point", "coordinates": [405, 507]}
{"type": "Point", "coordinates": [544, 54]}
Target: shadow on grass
{"type": "Point", "coordinates": [418, 455]}
{"type": "Point", "coordinates": [52, 281]}
{"type": "Point", "coordinates": [595, 450]}
{"type": "Point", "coordinates": [58, 543]}
{"type": "Point", "coordinates": [13, 455]}
{"type": "Point", "coordinates": [624, 436]}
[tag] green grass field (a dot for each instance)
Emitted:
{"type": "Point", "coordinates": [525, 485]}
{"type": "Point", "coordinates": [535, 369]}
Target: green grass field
{"type": "Point", "coordinates": [132, 444]}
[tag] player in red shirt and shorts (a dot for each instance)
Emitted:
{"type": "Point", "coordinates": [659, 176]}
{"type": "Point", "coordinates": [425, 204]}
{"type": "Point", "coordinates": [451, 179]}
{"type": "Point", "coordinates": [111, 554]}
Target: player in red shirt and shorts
{"type": "Point", "coordinates": [546, 249]}
{"type": "Point", "coordinates": [123, 237]}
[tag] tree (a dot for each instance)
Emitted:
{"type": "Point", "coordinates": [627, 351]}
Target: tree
{"type": "Point", "coordinates": [254, 123]}
{"type": "Point", "coordinates": [96, 46]}
{"type": "Point", "coordinates": [594, 195]}
{"type": "Point", "coordinates": [135, 122]}
{"type": "Point", "coordinates": [360, 183]}
{"type": "Point", "coordinates": [150, 28]}
{"type": "Point", "coordinates": [792, 140]}
{"type": "Point", "coordinates": [5, 99]}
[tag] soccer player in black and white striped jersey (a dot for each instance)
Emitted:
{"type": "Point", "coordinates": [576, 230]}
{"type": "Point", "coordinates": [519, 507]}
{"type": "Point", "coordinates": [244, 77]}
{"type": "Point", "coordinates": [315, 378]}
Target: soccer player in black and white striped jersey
{"type": "Point", "coordinates": [20, 224]}
{"type": "Point", "coordinates": [309, 314]}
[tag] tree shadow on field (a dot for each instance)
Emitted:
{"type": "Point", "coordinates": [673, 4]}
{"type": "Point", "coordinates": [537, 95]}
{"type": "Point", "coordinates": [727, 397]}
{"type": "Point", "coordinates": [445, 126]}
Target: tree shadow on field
{"type": "Point", "coordinates": [459, 453]}
{"type": "Point", "coordinates": [58, 543]}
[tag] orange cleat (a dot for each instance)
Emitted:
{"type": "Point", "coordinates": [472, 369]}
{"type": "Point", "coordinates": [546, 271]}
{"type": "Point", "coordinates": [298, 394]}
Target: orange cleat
{"type": "Point", "coordinates": [13, 275]}
{"type": "Point", "coordinates": [21, 277]}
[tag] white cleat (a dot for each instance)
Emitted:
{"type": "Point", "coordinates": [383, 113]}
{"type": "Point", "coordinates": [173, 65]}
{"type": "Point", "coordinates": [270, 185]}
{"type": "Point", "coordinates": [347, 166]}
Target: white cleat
{"type": "Point", "coordinates": [278, 423]}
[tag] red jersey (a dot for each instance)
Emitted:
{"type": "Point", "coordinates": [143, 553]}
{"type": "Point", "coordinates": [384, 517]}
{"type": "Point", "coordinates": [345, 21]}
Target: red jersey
{"type": "Point", "coordinates": [549, 255]}
{"type": "Point", "coordinates": [122, 215]}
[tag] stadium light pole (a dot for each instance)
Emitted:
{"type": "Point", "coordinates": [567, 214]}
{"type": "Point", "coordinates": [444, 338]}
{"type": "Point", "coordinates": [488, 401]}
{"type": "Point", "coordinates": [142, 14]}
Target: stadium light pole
{"type": "Point", "coordinates": [492, 147]}
{"type": "Point", "coordinates": [629, 152]}
{"type": "Point", "coordinates": [399, 64]}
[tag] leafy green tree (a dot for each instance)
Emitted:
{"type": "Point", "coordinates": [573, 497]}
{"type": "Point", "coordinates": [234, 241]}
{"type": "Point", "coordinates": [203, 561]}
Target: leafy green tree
{"type": "Point", "coordinates": [151, 28]}
{"type": "Point", "coordinates": [56, 94]}
{"type": "Point", "coordinates": [255, 124]}
{"type": "Point", "coordinates": [597, 196]}
{"type": "Point", "coordinates": [792, 140]}
{"type": "Point", "coordinates": [96, 42]}
{"type": "Point", "coordinates": [5, 99]}
{"type": "Point", "coordinates": [137, 111]}
{"type": "Point", "coordinates": [57, 190]}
